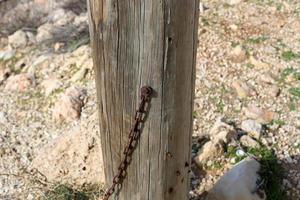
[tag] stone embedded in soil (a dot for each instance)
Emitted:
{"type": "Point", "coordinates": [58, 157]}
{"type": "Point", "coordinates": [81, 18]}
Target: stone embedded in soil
{"type": "Point", "coordinates": [257, 63]}
{"type": "Point", "coordinates": [20, 82]}
{"type": "Point", "coordinates": [238, 183]}
{"type": "Point", "coordinates": [233, 2]}
{"type": "Point", "coordinates": [7, 54]}
{"type": "Point", "coordinates": [274, 91]}
{"type": "Point", "coordinates": [50, 85]}
{"type": "Point", "coordinates": [252, 127]}
{"type": "Point", "coordinates": [221, 132]}
{"type": "Point", "coordinates": [18, 39]}
{"type": "Point", "coordinates": [73, 158]}
{"type": "Point", "coordinates": [267, 78]}
{"type": "Point", "coordinates": [247, 141]}
{"type": "Point", "coordinates": [44, 32]}
{"type": "Point", "coordinates": [238, 54]}
{"type": "Point", "coordinates": [242, 89]}
{"type": "Point", "coordinates": [80, 74]}
{"type": "Point", "coordinates": [3, 117]}
{"type": "Point", "coordinates": [61, 17]}
{"type": "Point", "coordinates": [70, 104]}
{"type": "Point", "coordinates": [260, 115]}
{"type": "Point", "coordinates": [210, 150]}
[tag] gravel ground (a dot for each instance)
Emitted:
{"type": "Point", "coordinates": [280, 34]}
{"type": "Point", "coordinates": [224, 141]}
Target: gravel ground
{"type": "Point", "coordinates": [248, 55]}
{"type": "Point", "coordinates": [268, 33]}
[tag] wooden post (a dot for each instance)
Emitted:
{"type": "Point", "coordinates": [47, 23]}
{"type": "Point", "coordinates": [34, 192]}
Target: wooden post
{"type": "Point", "coordinates": [137, 43]}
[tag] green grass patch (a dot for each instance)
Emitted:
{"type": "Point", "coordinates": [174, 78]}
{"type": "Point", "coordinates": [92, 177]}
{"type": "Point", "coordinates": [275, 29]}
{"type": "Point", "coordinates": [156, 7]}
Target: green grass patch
{"type": "Point", "coordinates": [195, 114]}
{"type": "Point", "coordinates": [205, 21]}
{"type": "Point", "coordinates": [289, 72]}
{"type": "Point", "coordinates": [249, 65]}
{"type": "Point", "coordinates": [63, 192]}
{"type": "Point", "coordinates": [292, 104]}
{"type": "Point", "coordinates": [278, 122]}
{"type": "Point", "coordinates": [215, 166]}
{"type": "Point", "coordinates": [271, 172]}
{"type": "Point", "coordinates": [295, 91]}
{"type": "Point", "coordinates": [289, 55]}
{"type": "Point", "coordinates": [257, 40]}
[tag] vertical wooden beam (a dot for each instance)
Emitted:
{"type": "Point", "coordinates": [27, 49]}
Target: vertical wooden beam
{"type": "Point", "coordinates": [137, 43]}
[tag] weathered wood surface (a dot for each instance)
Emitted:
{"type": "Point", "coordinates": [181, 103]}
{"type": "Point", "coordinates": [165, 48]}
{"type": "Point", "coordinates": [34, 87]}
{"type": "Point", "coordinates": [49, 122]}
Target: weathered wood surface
{"type": "Point", "coordinates": [137, 43]}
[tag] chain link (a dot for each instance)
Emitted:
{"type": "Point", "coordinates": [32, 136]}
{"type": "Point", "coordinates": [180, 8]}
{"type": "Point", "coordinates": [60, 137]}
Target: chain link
{"type": "Point", "coordinates": [134, 135]}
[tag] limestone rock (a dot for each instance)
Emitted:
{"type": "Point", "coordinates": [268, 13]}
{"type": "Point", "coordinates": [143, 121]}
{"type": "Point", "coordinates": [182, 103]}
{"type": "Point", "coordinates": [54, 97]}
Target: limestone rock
{"type": "Point", "coordinates": [247, 141]}
{"type": "Point", "coordinates": [238, 54]}
{"type": "Point", "coordinates": [44, 32]}
{"type": "Point", "coordinates": [7, 54]}
{"type": "Point", "coordinates": [3, 117]}
{"type": "Point", "coordinates": [257, 63]}
{"type": "Point", "coordinates": [252, 127]}
{"type": "Point", "coordinates": [81, 19]}
{"type": "Point", "coordinates": [70, 104]}
{"type": "Point", "coordinates": [242, 89]}
{"type": "Point", "coordinates": [61, 17]}
{"type": "Point", "coordinates": [221, 132]}
{"type": "Point", "coordinates": [80, 74]}
{"type": "Point", "coordinates": [233, 2]}
{"type": "Point", "coordinates": [238, 183]}
{"type": "Point", "coordinates": [18, 39]}
{"type": "Point", "coordinates": [19, 82]}
{"type": "Point", "coordinates": [74, 158]}
{"type": "Point", "coordinates": [51, 85]}
{"type": "Point", "coordinates": [274, 91]}
{"type": "Point", "coordinates": [209, 151]}
{"type": "Point", "coordinates": [259, 114]}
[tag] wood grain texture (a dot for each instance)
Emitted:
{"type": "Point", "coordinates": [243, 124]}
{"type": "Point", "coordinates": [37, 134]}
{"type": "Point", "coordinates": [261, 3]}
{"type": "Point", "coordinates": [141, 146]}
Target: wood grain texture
{"type": "Point", "coordinates": [137, 43]}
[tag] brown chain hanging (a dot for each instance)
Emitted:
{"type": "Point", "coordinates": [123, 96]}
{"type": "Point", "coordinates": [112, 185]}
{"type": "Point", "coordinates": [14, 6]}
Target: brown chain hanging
{"type": "Point", "coordinates": [134, 135]}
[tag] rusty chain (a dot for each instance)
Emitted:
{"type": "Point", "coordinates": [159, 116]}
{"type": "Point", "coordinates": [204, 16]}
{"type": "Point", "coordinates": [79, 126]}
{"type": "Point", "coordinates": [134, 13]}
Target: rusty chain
{"type": "Point", "coordinates": [134, 135]}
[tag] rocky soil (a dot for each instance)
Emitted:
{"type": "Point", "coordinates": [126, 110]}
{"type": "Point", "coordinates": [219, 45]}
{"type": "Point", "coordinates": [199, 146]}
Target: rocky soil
{"type": "Point", "coordinates": [247, 98]}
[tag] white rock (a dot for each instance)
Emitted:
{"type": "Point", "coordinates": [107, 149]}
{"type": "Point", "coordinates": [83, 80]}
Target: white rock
{"type": "Point", "coordinates": [44, 32]}
{"type": "Point", "coordinates": [252, 127]}
{"type": "Point", "coordinates": [31, 37]}
{"type": "Point", "coordinates": [81, 19]}
{"type": "Point", "coordinates": [233, 27]}
{"type": "Point", "coordinates": [30, 197]}
{"type": "Point", "coordinates": [238, 183]}
{"type": "Point", "coordinates": [233, 2]}
{"type": "Point", "coordinates": [18, 39]}
{"type": "Point", "coordinates": [61, 17]}
{"type": "Point", "coordinates": [7, 55]}
{"type": "Point", "coordinates": [247, 141]}
{"type": "Point", "coordinates": [3, 117]}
